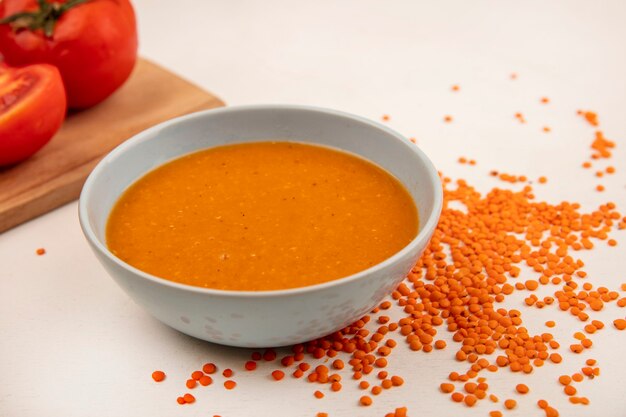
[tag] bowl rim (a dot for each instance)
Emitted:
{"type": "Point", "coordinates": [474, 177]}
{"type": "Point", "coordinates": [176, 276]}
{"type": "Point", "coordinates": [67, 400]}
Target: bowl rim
{"type": "Point", "coordinates": [424, 234]}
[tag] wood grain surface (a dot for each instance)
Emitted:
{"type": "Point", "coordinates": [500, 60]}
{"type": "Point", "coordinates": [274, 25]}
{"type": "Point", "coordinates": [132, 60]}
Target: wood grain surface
{"type": "Point", "coordinates": [55, 175]}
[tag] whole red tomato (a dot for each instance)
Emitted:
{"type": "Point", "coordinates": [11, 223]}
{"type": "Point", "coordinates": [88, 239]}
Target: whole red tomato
{"type": "Point", "coordinates": [32, 108]}
{"type": "Point", "coordinates": [93, 43]}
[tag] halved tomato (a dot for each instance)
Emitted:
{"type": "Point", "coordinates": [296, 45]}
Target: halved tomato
{"type": "Point", "coordinates": [32, 109]}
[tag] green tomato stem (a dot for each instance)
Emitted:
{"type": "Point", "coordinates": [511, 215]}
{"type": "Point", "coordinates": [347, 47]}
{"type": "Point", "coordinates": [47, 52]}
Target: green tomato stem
{"type": "Point", "coordinates": [43, 19]}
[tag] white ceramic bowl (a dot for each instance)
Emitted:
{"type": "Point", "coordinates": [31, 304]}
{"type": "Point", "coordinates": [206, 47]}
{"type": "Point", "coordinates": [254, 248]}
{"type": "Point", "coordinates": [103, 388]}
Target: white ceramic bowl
{"type": "Point", "coordinates": [269, 318]}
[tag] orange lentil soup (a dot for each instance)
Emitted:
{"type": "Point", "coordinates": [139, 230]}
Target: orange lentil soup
{"type": "Point", "coordinates": [262, 216]}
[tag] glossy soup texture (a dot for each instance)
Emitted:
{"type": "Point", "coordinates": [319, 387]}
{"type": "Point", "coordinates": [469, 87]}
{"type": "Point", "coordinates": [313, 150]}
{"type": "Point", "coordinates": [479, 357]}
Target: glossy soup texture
{"type": "Point", "coordinates": [262, 216]}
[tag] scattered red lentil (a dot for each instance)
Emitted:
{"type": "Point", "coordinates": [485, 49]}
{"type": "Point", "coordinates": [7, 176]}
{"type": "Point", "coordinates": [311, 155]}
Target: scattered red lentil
{"type": "Point", "coordinates": [470, 387]}
{"type": "Point", "coordinates": [510, 404]}
{"type": "Point", "coordinates": [278, 375]}
{"type": "Point", "coordinates": [565, 379]}
{"type": "Point", "coordinates": [397, 381]}
{"type": "Point", "coordinates": [576, 348]}
{"type": "Point", "coordinates": [209, 368]}
{"type": "Point", "coordinates": [522, 388]}
{"type": "Point", "coordinates": [380, 362]}
{"type": "Point", "coordinates": [250, 365]}
{"type": "Point", "coordinates": [205, 380]}
{"type": "Point", "coordinates": [230, 384]}
{"type": "Point", "coordinates": [569, 390]}
{"type": "Point", "coordinates": [386, 117]}
{"type": "Point", "coordinates": [470, 400]}
{"type": "Point", "coordinates": [446, 387]}
{"type": "Point", "coordinates": [227, 373]}
{"type": "Point", "coordinates": [158, 376]}
{"type": "Point", "coordinates": [318, 394]}
{"type": "Point", "coordinates": [400, 412]}
{"type": "Point", "coordinates": [40, 251]}
{"type": "Point", "coordinates": [189, 399]}
{"type": "Point", "coordinates": [365, 400]}
{"type": "Point", "coordinates": [546, 129]}
{"type": "Point", "coordinates": [620, 324]}
{"type": "Point", "coordinates": [269, 355]}
{"type": "Point", "coordinates": [447, 119]}
{"type": "Point", "coordinates": [545, 100]}
{"type": "Point", "coordinates": [457, 397]}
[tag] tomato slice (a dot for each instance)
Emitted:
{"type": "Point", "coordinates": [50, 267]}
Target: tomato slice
{"type": "Point", "coordinates": [32, 109]}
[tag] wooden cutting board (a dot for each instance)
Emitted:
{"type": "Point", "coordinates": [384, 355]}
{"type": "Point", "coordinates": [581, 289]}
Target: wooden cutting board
{"type": "Point", "coordinates": [55, 175]}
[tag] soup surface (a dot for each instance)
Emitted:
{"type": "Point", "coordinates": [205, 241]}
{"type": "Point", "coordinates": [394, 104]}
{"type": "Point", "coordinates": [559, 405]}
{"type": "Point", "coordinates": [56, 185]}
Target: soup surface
{"type": "Point", "coordinates": [262, 216]}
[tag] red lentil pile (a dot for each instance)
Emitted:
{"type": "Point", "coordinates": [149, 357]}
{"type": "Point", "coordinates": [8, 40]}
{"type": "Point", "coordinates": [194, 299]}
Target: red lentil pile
{"type": "Point", "coordinates": [489, 243]}
{"type": "Point", "coordinates": [485, 248]}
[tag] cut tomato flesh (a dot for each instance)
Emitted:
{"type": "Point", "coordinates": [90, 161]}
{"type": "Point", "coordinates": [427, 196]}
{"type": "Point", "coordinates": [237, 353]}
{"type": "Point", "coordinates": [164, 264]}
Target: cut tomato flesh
{"type": "Point", "coordinates": [14, 86]}
{"type": "Point", "coordinates": [32, 108]}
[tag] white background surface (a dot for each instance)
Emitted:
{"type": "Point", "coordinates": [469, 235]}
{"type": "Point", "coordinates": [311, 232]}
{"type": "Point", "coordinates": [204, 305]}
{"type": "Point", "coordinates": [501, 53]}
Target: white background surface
{"type": "Point", "coordinates": [73, 344]}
